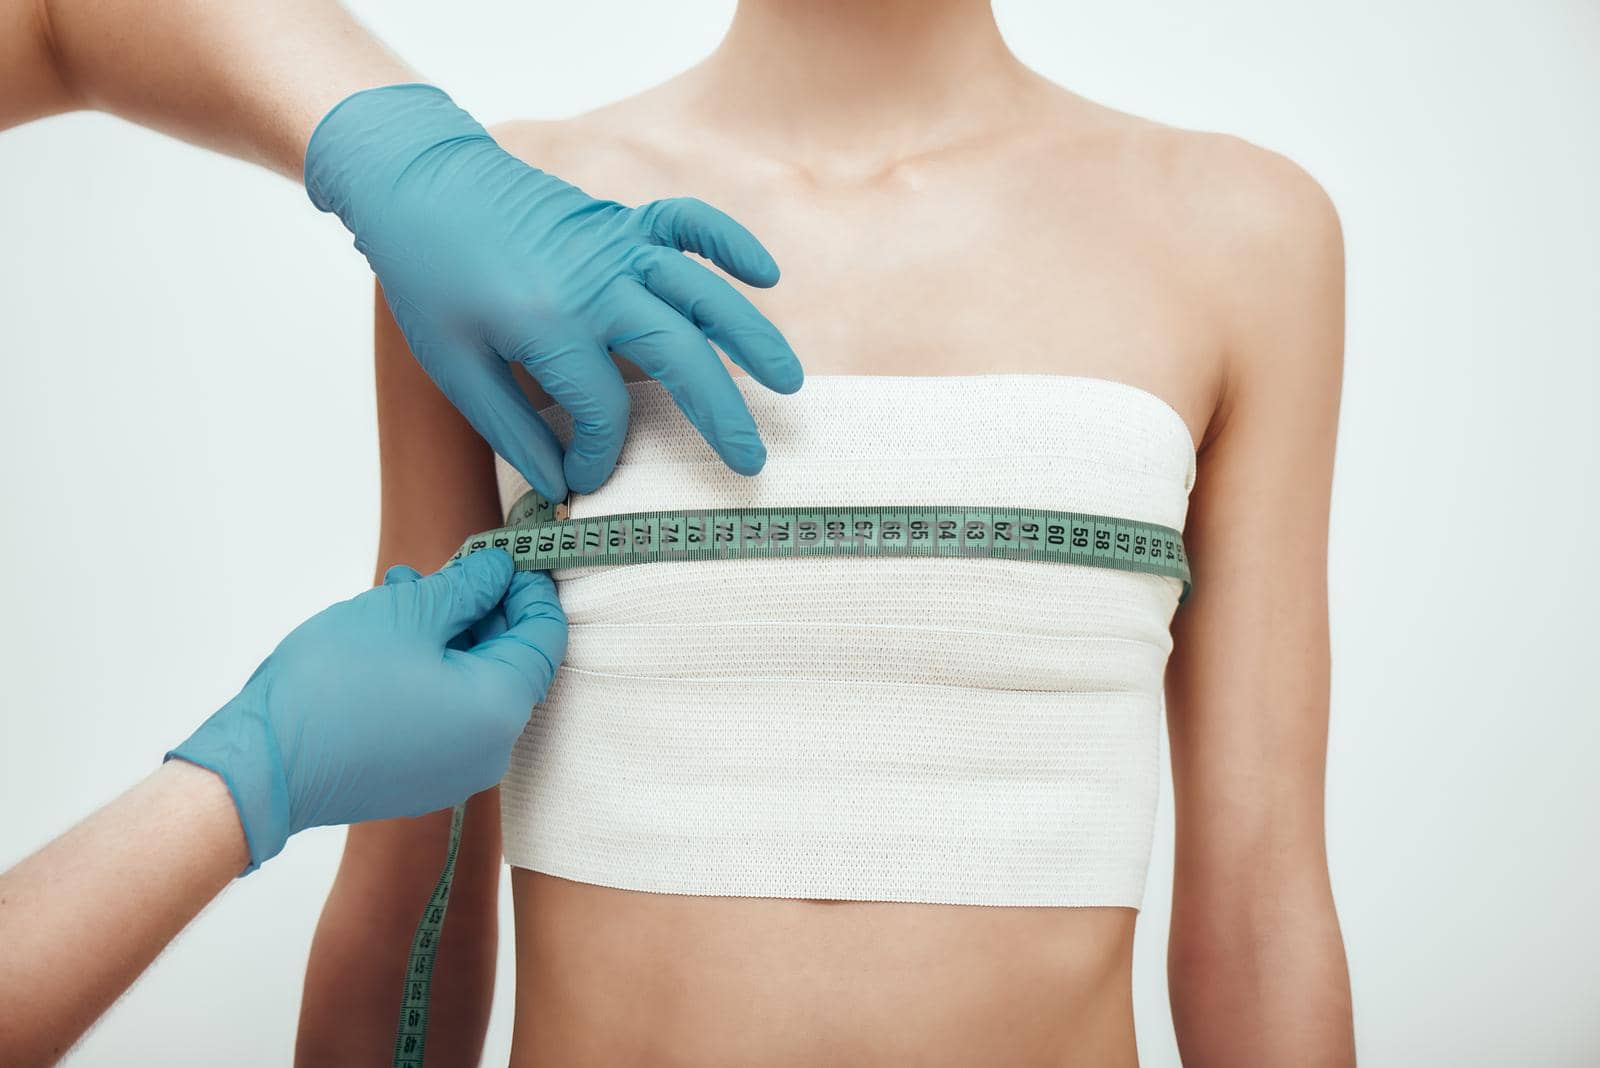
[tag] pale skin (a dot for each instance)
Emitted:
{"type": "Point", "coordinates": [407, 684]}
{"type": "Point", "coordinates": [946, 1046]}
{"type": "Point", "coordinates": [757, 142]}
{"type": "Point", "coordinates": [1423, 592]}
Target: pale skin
{"type": "Point", "coordinates": [83, 917]}
{"type": "Point", "coordinates": [976, 219]}
{"type": "Point", "coordinates": [249, 79]}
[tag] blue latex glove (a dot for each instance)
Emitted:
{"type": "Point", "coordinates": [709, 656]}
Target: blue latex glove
{"type": "Point", "coordinates": [401, 701]}
{"type": "Point", "coordinates": [485, 262]}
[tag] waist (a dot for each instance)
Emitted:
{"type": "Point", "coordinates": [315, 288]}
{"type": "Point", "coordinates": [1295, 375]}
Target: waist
{"type": "Point", "coordinates": [667, 979]}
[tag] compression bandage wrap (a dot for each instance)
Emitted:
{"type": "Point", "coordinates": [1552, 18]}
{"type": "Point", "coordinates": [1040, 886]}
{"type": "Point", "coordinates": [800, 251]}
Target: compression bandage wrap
{"type": "Point", "coordinates": [950, 731]}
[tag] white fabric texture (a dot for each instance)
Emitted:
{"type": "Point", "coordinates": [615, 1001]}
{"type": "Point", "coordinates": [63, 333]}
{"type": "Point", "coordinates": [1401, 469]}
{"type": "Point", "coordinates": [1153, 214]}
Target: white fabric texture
{"type": "Point", "coordinates": [960, 731]}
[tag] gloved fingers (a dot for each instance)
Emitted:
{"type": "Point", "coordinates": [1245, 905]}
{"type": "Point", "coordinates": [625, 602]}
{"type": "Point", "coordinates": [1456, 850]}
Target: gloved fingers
{"type": "Point", "coordinates": [582, 379]}
{"type": "Point", "coordinates": [526, 654]}
{"type": "Point", "coordinates": [695, 226]}
{"type": "Point", "coordinates": [480, 384]}
{"type": "Point", "coordinates": [663, 344]}
{"type": "Point", "coordinates": [725, 315]}
{"type": "Point", "coordinates": [457, 596]}
{"type": "Point", "coordinates": [532, 595]}
{"type": "Point", "coordinates": [485, 628]}
{"type": "Point", "coordinates": [399, 573]}
{"type": "Point", "coordinates": [490, 626]}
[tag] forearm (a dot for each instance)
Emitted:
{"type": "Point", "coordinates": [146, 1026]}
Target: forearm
{"type": "Point", "coordinates": [358, 957]}
{"type": "Point", "coordinates": [1257, 975]}
{"type": "Point", "coordinates": [83, 917]}
{"type": "Point", "coordinates": [251, 79]}
{"type": "Point", "coordinates": [354, 979]}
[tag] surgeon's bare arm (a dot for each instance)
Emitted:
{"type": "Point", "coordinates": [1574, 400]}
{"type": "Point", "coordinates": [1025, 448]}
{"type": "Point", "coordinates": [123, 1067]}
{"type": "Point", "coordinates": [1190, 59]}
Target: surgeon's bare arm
{"type": "Point", "coordinates": [249, 77]}
{"type": "Point", "coordinates": [84, 916]}
{"type": "Point", "coordinates": [1256, 964]}
{"type": "Point", "coordinates": [438, 487]}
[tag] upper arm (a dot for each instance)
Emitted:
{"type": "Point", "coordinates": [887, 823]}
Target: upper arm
{"type": "Point", "coordinates": [438, 474]}
{"type": "Point", "coordinates": [1247, 682]}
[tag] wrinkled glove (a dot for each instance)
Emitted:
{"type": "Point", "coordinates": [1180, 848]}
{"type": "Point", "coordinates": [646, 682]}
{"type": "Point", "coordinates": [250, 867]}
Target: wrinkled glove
{"type": "Point", "coordinates": [401, 701]}
{"type": "Point", "coordinates": [485, 262]}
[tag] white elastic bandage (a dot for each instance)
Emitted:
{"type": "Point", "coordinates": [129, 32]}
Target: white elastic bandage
{"type": "Point", "coordinates": [962, 731]}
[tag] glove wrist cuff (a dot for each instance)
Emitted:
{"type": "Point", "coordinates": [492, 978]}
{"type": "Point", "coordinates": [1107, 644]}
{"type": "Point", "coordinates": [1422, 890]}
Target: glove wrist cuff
{"type": "Point", "coordinates": [371, 136]}
{"type": "Point", "coordinates": [237, 745]}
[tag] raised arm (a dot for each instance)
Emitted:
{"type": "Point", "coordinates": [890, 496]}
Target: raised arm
{"type": "Point", "coordinates": [486, 261]}
{"type": "Point", "coordinates": [248, 79]}
{"type": "Point", "coordinates": [438, 487]}
{"type": "Point", "coordinates": [1256, 964]}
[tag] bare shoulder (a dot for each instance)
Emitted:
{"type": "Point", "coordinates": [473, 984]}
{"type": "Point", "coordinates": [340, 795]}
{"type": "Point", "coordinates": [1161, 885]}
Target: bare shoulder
{"type": "Point", "coordinates": [1245, 242]}
{"type": "Point", "coordinates": [1261, 242]}
{"type": "Point", "coordinates": [1252, 212]}
{"type": "Point", "coordinates": [1264, 247]}
{"type": "Point", "coordinates": [1221, 195]}
{"type": "Point", "coordinates": [535, 141]}
{"type": "Point", "coordinates": [599, 151]}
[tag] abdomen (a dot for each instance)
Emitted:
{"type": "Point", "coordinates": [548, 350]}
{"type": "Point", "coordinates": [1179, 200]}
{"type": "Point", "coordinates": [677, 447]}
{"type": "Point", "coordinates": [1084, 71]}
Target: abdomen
{"type": "Point", "coordinates": [621, 978]}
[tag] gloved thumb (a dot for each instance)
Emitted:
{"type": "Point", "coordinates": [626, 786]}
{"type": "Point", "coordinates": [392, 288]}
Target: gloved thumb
{"type": "Point", "coordinates": [400, 573]}
{"type": "Point", "coordinates": [454, 598]}
{"type": "Point", "coordinates": [524, 657]}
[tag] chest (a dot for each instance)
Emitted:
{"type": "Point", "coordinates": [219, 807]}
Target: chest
{"type": "Point", "coordinates": [1015, 267]}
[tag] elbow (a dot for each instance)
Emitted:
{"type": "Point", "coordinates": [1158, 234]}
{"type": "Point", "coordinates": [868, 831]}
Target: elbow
{"type": "Point", "coordinates": [1255, 929]}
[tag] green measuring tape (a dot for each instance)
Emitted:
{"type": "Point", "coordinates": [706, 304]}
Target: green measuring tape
{"type": "Point", "coordinates": [413, 1029]}
{"type": "Point", "coordinates": [538, 541]}
{"type": "Point", "coordinates": [539, 537]}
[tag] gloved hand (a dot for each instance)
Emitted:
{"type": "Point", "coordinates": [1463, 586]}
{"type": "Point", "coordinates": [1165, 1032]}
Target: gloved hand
{"type": "Point", "coordinates": [485, 261]}
{"type": "Point", "coordinates": [403, 700]}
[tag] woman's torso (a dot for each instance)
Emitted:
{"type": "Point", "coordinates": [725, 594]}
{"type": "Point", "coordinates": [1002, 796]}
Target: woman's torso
{"type": "Point", "coordinates": [1070, 251]}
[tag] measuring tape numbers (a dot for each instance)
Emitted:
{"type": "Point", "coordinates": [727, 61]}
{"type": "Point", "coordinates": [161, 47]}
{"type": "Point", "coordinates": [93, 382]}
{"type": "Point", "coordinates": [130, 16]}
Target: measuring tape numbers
{"type": "Point", "coordinates": [540, 537]}
{"type": "Point", "coordinates": [538, 541]}
{"type": "Point", "coordinates": [413, 1029]}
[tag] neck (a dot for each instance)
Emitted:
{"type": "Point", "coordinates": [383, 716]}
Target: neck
{"type": "Point", "coordinates": [829, 82]}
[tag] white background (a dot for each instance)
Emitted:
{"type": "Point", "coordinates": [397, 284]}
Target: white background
{"type": "Point", "coordinates": [188, 468]}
